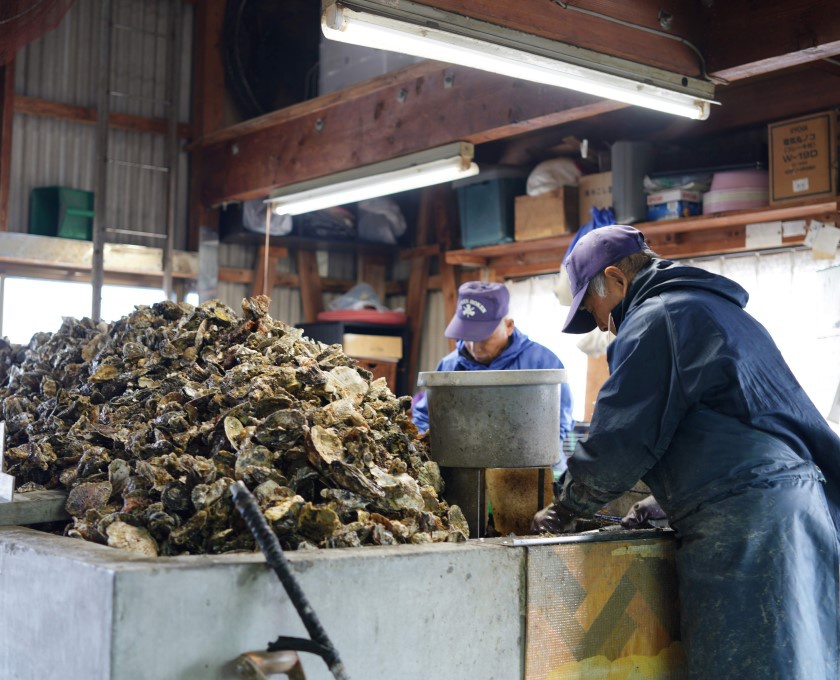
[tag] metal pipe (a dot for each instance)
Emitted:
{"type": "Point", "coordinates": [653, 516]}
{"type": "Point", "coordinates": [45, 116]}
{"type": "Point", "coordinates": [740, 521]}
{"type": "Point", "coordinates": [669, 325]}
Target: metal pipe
{"type": "Point", "coordinates": [102, 112]}
{"type": "Point", "coordinates": [173, 145]}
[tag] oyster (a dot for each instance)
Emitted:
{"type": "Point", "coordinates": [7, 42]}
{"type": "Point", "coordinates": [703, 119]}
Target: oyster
{"type": "Point", "coordinates": [146, 422]}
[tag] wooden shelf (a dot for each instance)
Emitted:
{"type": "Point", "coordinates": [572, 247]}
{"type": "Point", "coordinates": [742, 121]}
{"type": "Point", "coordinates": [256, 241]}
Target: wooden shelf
{"type": "Point", "coordinates": [683, 238]}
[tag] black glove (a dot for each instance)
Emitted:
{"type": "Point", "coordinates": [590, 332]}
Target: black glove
{"type": "Point", "coordinates": [644, 514]}
{"type": "Point", "coordinates": [555, 519]}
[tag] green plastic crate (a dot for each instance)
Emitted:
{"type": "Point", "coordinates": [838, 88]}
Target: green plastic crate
{"type": "Point", "coordinates": [486, 205]}
{"type": "Point", "coordinates": [61, 211]}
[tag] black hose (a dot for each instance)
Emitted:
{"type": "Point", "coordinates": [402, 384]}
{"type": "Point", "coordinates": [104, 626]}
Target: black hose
{"type": "Point", "coordinates": [267, 540]}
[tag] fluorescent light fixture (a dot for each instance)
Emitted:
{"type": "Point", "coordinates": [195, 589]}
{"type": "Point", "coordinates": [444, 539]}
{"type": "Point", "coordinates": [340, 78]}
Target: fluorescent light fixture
{"type": "Point", "coordinates": [422, 169]}
{"type": "Point", "coordinates": [423, 31]}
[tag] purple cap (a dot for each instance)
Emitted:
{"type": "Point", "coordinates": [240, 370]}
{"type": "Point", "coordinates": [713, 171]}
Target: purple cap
{"type": "Point", "coordinates": [481, 306]}
{"type": "Point", "coordinates": [591, 255]}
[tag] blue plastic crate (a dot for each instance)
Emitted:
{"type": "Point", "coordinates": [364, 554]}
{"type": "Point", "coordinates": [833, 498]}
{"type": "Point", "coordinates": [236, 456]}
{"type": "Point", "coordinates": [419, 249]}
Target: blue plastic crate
{"type": "Point", "coordinates": [486, 205]}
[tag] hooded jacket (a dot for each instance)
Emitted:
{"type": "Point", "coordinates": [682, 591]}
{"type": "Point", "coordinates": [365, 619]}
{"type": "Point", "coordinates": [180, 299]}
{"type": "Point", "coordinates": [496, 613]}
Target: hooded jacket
{"type": "Point", "coordinates": [699, 401]}
{"type": "Point", "coordinates": [701, 406]}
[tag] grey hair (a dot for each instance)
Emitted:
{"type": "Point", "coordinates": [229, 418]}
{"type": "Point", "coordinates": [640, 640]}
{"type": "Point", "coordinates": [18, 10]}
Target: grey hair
{"type": "Point", "coordinates": [630, 265]}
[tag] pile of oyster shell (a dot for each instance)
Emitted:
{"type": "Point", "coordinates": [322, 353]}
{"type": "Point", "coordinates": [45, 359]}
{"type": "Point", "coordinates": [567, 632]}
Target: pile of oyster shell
{"type": "Point", "coordinates": [148, 421]}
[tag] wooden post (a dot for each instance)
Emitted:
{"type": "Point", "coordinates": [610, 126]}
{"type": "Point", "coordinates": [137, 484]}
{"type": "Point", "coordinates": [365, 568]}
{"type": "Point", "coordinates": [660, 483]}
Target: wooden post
{"type": "Point", "coordinates": [310, 285]}
{"type": "Point", "coordinates": [207, 110]}
{"type": "Point", "coordinates": [265, 271]}
{"type": "Point", "coordinates": [7, 98]}
{"type": "Point", "coordinates": [597, 372]}
{"type": "Point", "coordinates": [372, 270]}
{"type": "Point", "coordinates": [418, 279]}
{"type": "Point", "coordinates": [444, 226]}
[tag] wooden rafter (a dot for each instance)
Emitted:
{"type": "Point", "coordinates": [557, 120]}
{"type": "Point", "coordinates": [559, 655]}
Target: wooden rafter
{"type": "Point", "coordinates": [747, 38]}
{"type": "Point", "coordinates": [87, 114]}
{"type": "Point", "coordinates": [425, 105]}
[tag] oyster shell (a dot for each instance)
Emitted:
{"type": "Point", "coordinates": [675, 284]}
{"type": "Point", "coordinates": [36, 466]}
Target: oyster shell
{"type": "Point", "coordinates": [147, 421]}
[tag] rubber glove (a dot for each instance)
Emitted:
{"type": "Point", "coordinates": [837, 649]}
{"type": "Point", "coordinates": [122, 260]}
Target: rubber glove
{"type": "Point", "coordinates": [554, 519]}
{"type": "Point", "coordinates": [643, 513]}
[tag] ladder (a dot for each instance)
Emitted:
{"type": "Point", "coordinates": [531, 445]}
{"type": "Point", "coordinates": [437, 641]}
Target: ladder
{"type": "Point", "coordinates": [108, 31]}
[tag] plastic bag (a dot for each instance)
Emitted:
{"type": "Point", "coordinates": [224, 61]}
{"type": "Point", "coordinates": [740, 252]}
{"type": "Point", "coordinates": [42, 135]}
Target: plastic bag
{"type": "Point", "coordinates": [551, 175]}
{"type": "Point", "coordinates": [380, 220]}
{"type": "Point", "coordinates": [253, 219]}
{"type": "Point", "coordinates": [601, 217]}
{"type": "Point", "coordinates": [330, 223]}
{"type": "Point", "coordinates": [360, 296]}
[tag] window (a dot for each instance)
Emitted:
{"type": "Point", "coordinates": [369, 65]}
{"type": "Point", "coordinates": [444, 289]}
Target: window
{"type": "Point", "coordinates": [30, 306]}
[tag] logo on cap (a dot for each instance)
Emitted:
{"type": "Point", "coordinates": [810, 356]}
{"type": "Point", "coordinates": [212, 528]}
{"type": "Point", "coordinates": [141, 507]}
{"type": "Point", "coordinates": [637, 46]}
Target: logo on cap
{"type": "Point", "coordinates": [468, 307]}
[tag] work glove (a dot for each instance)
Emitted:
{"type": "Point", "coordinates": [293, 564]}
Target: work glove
{"type": "Point", "coordinates": [644, 515]}
{"type": "Point", "coordinates": [554, 519]}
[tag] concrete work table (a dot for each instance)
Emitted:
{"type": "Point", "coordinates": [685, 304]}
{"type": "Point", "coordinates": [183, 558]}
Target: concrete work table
{"type": "Point", "coordinates": [487, 609]}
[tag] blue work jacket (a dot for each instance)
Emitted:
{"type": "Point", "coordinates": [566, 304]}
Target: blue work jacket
{"type": "Point", "coordinates": [702, 407]}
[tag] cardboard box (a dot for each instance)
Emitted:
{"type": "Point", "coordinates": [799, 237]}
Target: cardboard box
{"type": "Point", "coordinates": [594, 191]}
{"type": "Point", "coordinates": [673, 195]}
{"type": "Point", "coordinates": [549, 214]}
{"type": "Point", "coordinates": [672, 210]}
{"type": "Point", "coordinates": [381, 369]}
{"type": "Point", "coordinates": [803, 158]}
{"type": "Point", "coordinates": [373, 346]}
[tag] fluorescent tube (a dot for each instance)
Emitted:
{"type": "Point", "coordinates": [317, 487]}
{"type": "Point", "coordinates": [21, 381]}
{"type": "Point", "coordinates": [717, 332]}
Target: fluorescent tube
{"type": "Point", "coordinates": [379, 179]}
{"type": "Point", "coordinates": [368, 29]}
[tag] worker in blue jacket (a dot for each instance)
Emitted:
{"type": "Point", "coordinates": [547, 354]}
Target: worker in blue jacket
{"type": "Point", "coordinates": [488, 340]}
{"type": "Point", "coordinates": [701, 406]}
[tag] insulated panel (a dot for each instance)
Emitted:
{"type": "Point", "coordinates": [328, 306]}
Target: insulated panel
{"type": "Point", "coordinates": [603, 610]}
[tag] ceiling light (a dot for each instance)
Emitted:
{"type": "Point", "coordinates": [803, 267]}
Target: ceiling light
{"type": "Point", "coordinates": [422, 169]}
{"type": "Point", "coordinates": [423, 31]}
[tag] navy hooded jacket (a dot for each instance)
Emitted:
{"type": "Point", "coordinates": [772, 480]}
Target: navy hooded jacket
{"type": "Point", "coordinates": [693, 377]}
{"type": "Point", "coordinates": [701, 406]}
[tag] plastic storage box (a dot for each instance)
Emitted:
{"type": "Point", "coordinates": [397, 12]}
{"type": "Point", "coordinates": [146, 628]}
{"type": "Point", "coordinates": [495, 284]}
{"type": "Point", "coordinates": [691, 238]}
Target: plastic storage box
{"type": "Point", "coordinates": [486, 205]}
{"type": "Point", "coordinates": [673, 204]}
{"type": "Point", "coordinates": [61, 211]}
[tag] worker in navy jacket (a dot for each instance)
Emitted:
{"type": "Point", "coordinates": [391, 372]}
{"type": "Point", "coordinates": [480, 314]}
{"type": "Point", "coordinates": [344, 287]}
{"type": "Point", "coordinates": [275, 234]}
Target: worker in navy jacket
{"type": "Point", "coordinates": [702, 407]}
{"type": "Point", "coordinates": [488, 340]}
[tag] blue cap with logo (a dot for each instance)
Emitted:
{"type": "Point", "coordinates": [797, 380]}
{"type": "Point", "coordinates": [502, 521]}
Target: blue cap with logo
{"type": "Point", "coordinates": [481, 306]}
{"type": "Point", "coordinates": [593, 253]}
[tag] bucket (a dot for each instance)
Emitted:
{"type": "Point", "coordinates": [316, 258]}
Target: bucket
{"type": "Point", "coordinates": [494, 419]}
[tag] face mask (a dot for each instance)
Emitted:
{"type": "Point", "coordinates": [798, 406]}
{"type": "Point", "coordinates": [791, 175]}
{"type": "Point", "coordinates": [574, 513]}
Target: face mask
{"type": "Point", "coordinates": [609, 334]}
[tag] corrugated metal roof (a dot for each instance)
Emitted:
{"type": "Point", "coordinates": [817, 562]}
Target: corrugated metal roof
{"type": "Point", "coordinates": [62, 66]}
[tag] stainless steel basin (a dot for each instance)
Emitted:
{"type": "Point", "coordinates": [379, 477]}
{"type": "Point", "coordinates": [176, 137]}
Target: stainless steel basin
{"type": "Point", "coordinates": [494, 419]}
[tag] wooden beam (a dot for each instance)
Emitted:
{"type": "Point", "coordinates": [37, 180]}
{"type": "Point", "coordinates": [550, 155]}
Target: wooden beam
{"type": "Point", "coordinates": [422, 106]}
{"type": "Point", "coordinates": [33, 106]}
{"type": "Point", "coordinates": [746, 39]}
{"type": "Point", "coordinates": [418, 279]}
{"type": "Point", "coordinates": [372, 270]}
{"type": "Point", "coordinates": [760, 101]}
{"type": "Point", "coordinates": [683, 238]}
{"type": "Point", "coordinates": [586, 23]}
{"type": "Point", "coordinates": [7, 98]}
{"type": "Point", "coordinates": [310, 285]}
{"type": "Point", "coordinates": [420, 251]}
{"type": "Point", "coordinates": [465, 258]}
{"type": "Point", "coordinates": [328, 284]}
{"type": "Point", "coordinates": [207, 104]}
{"type": "Point", "coordinates": [35, 271]}
{"type": "Point", "coordinates": [265, 271]}
{"type": "Point", "coordinates": [445, 226]}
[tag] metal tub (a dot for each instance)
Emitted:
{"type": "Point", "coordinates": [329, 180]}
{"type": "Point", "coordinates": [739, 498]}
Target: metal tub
{"type": "Point", "coordinates": [494, 419]}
